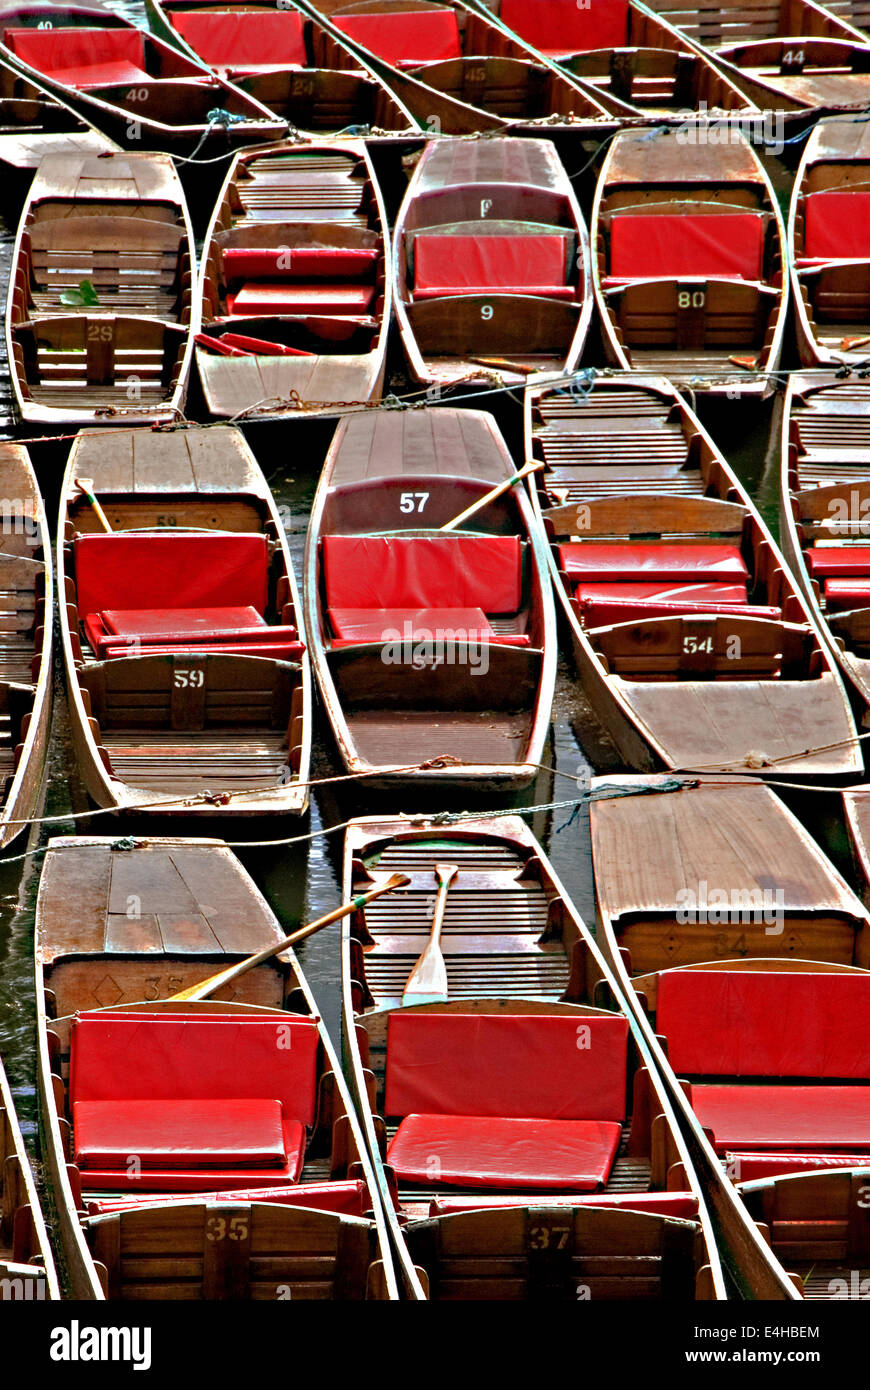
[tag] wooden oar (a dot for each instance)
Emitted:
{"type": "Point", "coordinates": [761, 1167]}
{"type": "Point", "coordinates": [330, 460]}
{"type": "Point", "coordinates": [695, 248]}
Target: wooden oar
{"type": "Point", "coordinates": [493, 494]}
{"type": "Point", "coordinates": [241, 967]}
{"type": "Point", "coordinates": [427, 982]}
{"type": "Point", "coordinates": [86, 485]}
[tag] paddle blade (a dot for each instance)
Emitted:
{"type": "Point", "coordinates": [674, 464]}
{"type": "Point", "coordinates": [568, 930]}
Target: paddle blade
{"type": "Point", "coordinates": [427, 983]}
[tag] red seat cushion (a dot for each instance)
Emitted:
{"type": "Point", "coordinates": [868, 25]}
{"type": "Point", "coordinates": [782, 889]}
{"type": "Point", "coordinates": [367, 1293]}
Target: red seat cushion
{"type": "Point", "coordinates": [261, 297]}
{"type": "Point", "coordinates": [187, 624]}
{"type": "Point", "coordinates": [601, 612]}
{"type": "Point", "coordinates": [273, 651]}
{"type": "Point", "coordinates": [680, 1205]}
{"type": "Point", "coordinates": [407, 37]}
{"type": "Point", "coordinates": [422, 572]}
{"type": "Point", "coordinates": [170, 570]}
{"type": "Point", "coordinates": [561, 27]}
{"type": "Point", "coordinates": [662, 562]}
{"type": "Point", "coordinates": [746, 1167]}
{"type": "Point", "coordinates": [304, 262]}
{"type": "Point", "coordinates": [842, 594]}
{"type": "Point", "coordinates": [244, 40]}
{"type": "Point", "coordinates": [765, 1023]}
{"type": "Point", "coordinates": [139, 1056]}
{"type": "Point", "coordinates": [687, 245]}
{"type": "Point", "coordinates": [349, 1198]}
{"type": "Point", "coordinates": [477, 264]}
{"type": "Point", "coordinates": [838, 561]}
{"type": "Point", "coordinates": [82, 57]}
{"type": "Point", "coordinates": [481, 1151]}
{"type": "Point", "coordinates": [458, 625]}
{"type": "Point", "coordinates": [181, 1133]}
{"type": "Point", "coordinates": [502, 1065]}
{"type": "Point", "coordinates": [837, 225]}
{"type": "Point", "coordinates": [785, 1117]}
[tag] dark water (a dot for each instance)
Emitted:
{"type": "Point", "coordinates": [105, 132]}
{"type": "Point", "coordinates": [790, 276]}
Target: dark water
{"type": "Point", "coordinates": [301, 881]}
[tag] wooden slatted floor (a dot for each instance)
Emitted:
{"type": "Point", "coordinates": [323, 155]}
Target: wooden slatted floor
{"type": "Point", "coordinates": [218, 760]}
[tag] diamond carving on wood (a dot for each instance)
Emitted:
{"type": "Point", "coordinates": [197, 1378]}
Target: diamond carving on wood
{"type": "Point", "coordinates": [108, 991]}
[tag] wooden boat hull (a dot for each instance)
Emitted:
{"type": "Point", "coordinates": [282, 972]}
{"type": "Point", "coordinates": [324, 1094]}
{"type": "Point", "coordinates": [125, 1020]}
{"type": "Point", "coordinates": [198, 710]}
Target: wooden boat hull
{"type": "Point", "coordinates": [73, 967]}
{"type": "Point", "coordinates": [643, 908]}
{"type": "Point", "coordinates": [476, 334]}
{"type": "Point", "coordinates": [794, 726]}
{"type": "Point", "coordinates": [321, 100]}
{"type": "Point", "coordinates": [123, 354]}
{"type": "Point", "coordinates": [504, 966]}
{"type": "Point", "coordinates": [337, 354]}
{"type": "Point", "coordinates": [165, 110]}
{"type": "Point", "coordinates": [199, 484]}
{"type": "Point", "coordinates": [28, 1273]}
{"type": "Point", "coordinates": [836, 157]}
{"type": "Point", "coordinates": [719, 330]}
{"type": "Point", "coordinates": [837, 458]}
{"type": "Point", "coordinates": [452, 711]}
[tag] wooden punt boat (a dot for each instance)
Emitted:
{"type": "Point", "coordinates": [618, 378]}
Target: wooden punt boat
{"type": "Point", "coordinates": [136, 89]}
{"type": "Point", "coordinates": [732, 930]}
{"type": "Point", "coordinates": [101, 306]}
{"type": "Point", "coordinates": [27, 1269]}
{"type": "Point", "coordinates": [456, 70]}
{"type": "Point", "coordinates": [640, 508]}
{"type": "Point", "coordinates": [679, 293]}
{"type": "Point", "coordinates": [824, 502]}
{"type": "Point", "coordinates": [433, 649]}
{"type": "Point", "coordinates": [635, 62]}
{"type": "Point", "coordinates": [123, 1068]}
{"type": "Point", "coordinates": [27, 599]}
{"type": "Point", "coordinates": [829, 244]}
{"type": "Point", "coordinates": [282, 58]}
{"type": "Point", "coordinates": [491, 264]}
{"type": "Point", "coordinates": [796, 57]}
{"type": "Point", "coordinates": [188, 686]}
{"type": "Point", "coordinates": [520, 965]}
{"type": "Point", "coordinates": [295, 285]}
{"type": "Point", "coordinates": [36, 125]}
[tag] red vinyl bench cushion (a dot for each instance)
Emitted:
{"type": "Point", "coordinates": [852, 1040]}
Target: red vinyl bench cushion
{"type": "Point", "coordinates": [661, 562]}
{"type": "Point", "coordinates": [481, 1151]}
{"type": "Point", "coordinates": [121, 1057]}
{"type": "Point", "coordinates": [765, 1023]}
{"type": "Point", "coordinates": [746, 1167]}
{"type": "Point", "coordinates": [187, 624]}
{"type": "Point", "coordinates": [272, 651]}
{"type": "Point", "coordinates": [83, 57]}
{"type": "Point", "coordinates": [785, 1117]}
{"type": "Point", "coordinates": [306, 262]}
{"type": "Point", "coordinates": [424, 572]}
{"type": "Point", "coordinates": [445, 265]}
{"type": "Point", "coordinates": [355, 625]}
{"type": "Point", "coordinates": [245, 40]}
{"type": "Point", "coordinates": [836, 226]}
{"type": "Point", "coordinates": [291, 297]}
{"type": "Point", "coordinates": [347, 1197]}
{"type": "Point", "coordinates": [525, 1066]}
{"type": "Point", "coordinates": [690, 246]}
{"type": "Point", "coordinates": [559, 28]}
{"type": "Point", "coordinates": [680, 1205]}
{"type": "Point", "coordinates": [181, 1133]}
{"type": "Point", "coordinates": [842, 594]}
{"type": "Point", "coordinates": [180, 570]}
{"type": "Point", "coordinates": [405, 38]}
{"type": "Point", "coordinates": [838, 561]}
{"type": "Point", "coordinates": [602, 605]}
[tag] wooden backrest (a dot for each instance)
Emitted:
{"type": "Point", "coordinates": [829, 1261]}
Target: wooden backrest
{"type": "Point", "coordinates": [558, 1253]}
{"type": "Point", "coordinates": [224, 1250]}
{"type": "Point", "coordinates": [648, 515]}
{"type": "Point", "coordinates": [738, 648]}
{"type": "Point", "coordinates": [815, 1217]}
{"type": "Point", "coordinates": [706, 313]}
{"type": "Point", "coordinates": [186, 693]}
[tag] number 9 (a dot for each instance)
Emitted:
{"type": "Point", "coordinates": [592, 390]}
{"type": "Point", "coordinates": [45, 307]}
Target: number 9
{"type": "Point", "coordinates": [486, 312]}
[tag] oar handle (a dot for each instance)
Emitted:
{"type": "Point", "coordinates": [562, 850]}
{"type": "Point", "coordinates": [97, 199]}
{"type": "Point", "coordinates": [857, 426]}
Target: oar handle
{"type": "Point", "coordinates": [446, 874]}
{"type": "Point", "coordinates": [85, 485]}
{"type": "Point", "coordinates": [232, 972]}
{"type": "Point", "coordinates": [494, 493]}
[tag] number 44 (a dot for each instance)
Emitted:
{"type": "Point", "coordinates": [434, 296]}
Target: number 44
{"type": "Point", "coordinates": [413, 501]}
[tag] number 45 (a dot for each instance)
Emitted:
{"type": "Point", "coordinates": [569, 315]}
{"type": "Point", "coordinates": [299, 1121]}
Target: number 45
{"type": "Point", "coordinates": [413, 501]}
